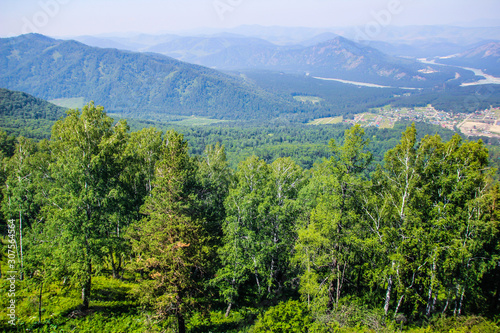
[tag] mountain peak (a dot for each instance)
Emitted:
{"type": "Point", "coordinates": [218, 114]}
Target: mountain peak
{"type": "Point", "coordinates": [341, 43]}
{"type": "Point", "coordinates": [35, 36]}
{"type": "Point", "coordinates": [491, 49]}
{"type": "Point", "coordinates": [485, 56]}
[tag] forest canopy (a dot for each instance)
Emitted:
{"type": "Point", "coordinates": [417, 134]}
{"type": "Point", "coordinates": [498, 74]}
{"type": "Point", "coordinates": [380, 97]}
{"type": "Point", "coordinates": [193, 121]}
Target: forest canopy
{"type": "Point", "coordinates": [192, 244]}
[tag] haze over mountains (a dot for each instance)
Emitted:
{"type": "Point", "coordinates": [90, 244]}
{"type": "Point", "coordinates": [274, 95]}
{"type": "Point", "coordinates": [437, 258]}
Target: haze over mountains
{"type": "Point", "coordinates": [337, 58]}
{"type": "Point", "coordinates": [485, 57]}
{"type": "Point", "coordinates": [128, 82]}
{"type": "Point", "coordinates": [137, 75]}
{"type": "Point", "coordinates": [404, 37]}
{"type": "Point", "coordinates": [295, 50]}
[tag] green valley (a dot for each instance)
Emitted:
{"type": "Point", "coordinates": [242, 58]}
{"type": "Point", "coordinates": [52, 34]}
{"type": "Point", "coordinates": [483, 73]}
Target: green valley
{"type": "Point", "coordinates": [303, 181]}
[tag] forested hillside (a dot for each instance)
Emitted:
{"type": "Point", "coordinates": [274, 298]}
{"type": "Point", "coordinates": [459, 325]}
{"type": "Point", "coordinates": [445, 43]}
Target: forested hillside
{"type": "Point", "coordinates": [23, 114]}
{"type": "Point", "coordinates": [325, 55]}
{"type": "Point", "coordinates": [133, 84]}
{"type": "Point", "coordinates": [485, 57]}
{"type": "Point", "coordinates": [153, 86]}
{"type": "Point", "coordinates": [120, 231]}
{"type": "Point", "coordinates": [338, 58]}
{"type": "Point", "coordinates": [344, 99]}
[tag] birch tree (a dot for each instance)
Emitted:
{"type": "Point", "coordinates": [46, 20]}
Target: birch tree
{"type": "Point", "coordinates": [428, 219]}
{"type": "Point", "coordinates": [20, 193]}
{"type": "Point", "coordinates": [259, 230]}
{"type": "Point", "coordinates": [86, 149]}
{"type": "Point", "coordinates": [327, 245]}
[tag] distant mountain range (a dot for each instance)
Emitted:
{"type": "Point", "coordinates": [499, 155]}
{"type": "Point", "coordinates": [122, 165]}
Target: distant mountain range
{"type": "Point", "coordinates": [485, 57]}
{"type": "Point", "coordinates": [325, 55]}
{"type": "Point", "coordinates": [131, 83]}
{"type": "Point", "coordinates": [137, 84]}
{"type": "Point", "coordinates": [193, 49]}
{"type": "Point", "coordinates": [411, 36]}
{"type": "Point", "coordinates": [337, 58]}
{"type": "Point", "coordinates": [392, 34]}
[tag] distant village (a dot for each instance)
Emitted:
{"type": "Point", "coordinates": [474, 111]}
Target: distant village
{"type": "Point", "coordinates": [480, 123]}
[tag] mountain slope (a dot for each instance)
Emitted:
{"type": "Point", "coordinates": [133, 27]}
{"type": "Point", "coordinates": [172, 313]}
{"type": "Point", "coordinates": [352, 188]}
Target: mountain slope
{"type": "Point", "coordinates": [338, 58]}
{"type": "Point", "coordinates": [23, 114]}
{"type": "Point", "coordinates": [24, 106]}
{"type": "Point", "coordinates": [134, 84]}
{"type": "Point", "coordinates": [485, 57]}
{"type": "Point", "coordinates": [324, 55]}
{"type": "Point", "coordinates": [417, 49]}
{"type": "Point", "coordinates": [190, 49]}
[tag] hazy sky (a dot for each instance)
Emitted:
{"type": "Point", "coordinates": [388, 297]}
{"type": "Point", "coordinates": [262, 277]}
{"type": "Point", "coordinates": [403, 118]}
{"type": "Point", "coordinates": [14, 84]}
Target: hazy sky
{"type": "Point", "coordinates": [85, 17]}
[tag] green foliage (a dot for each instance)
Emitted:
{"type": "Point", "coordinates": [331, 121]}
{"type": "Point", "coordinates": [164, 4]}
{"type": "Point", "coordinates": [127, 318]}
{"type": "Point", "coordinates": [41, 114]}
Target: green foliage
{"type": "Point", "coordinates": [290, 316]}
{"type": "Point", "coordinates": [454, 99]}
{"type": "Point", "coordinates": [82, 194]}
{"type": "Point", "coordinates": [431, 198]}
{"type": "Point", "coordinates": [213, 178]}
{"type": "Point", "coordinates": [351, 315]}
{"type": "Point", "coordinates": [113, 309]}
{"type": "Point", "coordinates": [470, 324]}
{"type": "Point", "coordinates": [170, 242]}
{"type": "Point", "coordinates": [259, 229]}
{"type": "Point", "coordinates": [25, 115]}
{"type": "Point", "coordinates": [329, 240]}
{"type": "Point", "coordinates": [216, 321]}
{"type": "Point", "coordinates": [365, 247]}
{"type": "Point", "coordinates": [20, 105]}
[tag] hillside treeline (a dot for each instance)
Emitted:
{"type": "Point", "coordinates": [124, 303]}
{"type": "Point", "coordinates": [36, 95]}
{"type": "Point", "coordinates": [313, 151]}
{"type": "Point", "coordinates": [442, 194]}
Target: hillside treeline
{"type": "Point", "coordinates": [315, 250]}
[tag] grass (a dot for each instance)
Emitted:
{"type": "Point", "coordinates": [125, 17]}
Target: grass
{"type": "Point", "coordinates": [384, 108]}
{"type": "Point", "coordinates": [366, 117]}
{"type": "Point", "coordinates": [326, 121]}
{"type": "Point", "coordinates": [497, 112]}
{"type": "Point", "coordinates": [114, 308]}
{"type": "Point", "coordinates": [191, 121]}
{"type": "Point", "coordinates": [308, 99]}
{"type": "Point", "coordinates": [386, 123]}
{"type": "Point", "coordinates": [196, 121]}
{"type": "Point", "coordinates": [70, 103]}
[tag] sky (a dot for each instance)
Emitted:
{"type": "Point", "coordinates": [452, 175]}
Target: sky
{"type": "Point", "coordinates": [63, 18]}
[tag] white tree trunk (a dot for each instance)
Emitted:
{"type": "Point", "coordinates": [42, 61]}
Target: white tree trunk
{"type": "Point", "coordinates": [388, 295]}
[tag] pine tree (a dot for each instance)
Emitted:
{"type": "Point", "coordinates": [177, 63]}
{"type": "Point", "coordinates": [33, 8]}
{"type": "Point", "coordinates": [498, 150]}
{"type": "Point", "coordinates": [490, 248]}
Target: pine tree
{"type": "Point", "coordinates": [170, 242]}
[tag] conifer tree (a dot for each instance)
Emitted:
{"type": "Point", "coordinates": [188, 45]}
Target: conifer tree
{"type": "Point", "coordinates": [170, 242]}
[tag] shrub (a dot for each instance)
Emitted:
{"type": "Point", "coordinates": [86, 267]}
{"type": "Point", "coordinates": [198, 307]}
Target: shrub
{"type": "Point", "coordinates": [291, 316]}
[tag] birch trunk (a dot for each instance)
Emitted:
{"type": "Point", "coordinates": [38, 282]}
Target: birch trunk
{"type": "Point", "coordinates": [388, 295]}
